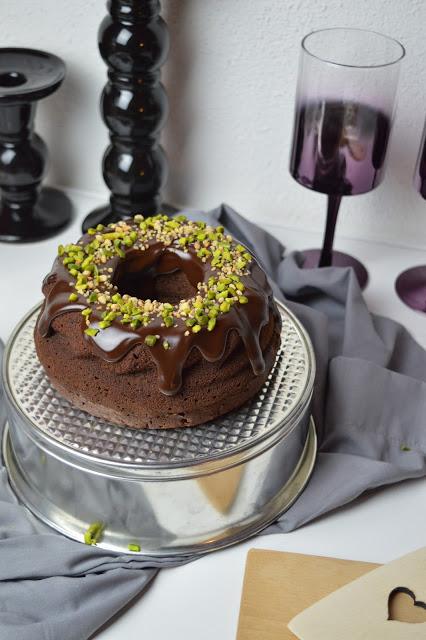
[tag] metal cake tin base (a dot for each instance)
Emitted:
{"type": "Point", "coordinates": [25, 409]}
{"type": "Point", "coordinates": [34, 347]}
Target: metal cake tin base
{"type": "Point", "coordinates": [73, 527]}
{"type": "Point", "coordinates": [171, 492]}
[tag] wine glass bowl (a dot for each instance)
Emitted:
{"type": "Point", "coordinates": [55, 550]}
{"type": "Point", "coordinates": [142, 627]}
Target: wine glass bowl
{"type": "Point", "coordinates": [343, 117]}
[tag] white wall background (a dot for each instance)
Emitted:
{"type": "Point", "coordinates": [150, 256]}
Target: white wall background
{"type": "Point", "coordinates": [231, 78]}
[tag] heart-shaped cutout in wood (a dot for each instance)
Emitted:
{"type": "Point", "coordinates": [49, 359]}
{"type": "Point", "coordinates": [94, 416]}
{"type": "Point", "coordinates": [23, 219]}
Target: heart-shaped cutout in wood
{"type": "Point", "coordinates": [403, 607]}
{"type": "Point", "coordinates": [369, 607]}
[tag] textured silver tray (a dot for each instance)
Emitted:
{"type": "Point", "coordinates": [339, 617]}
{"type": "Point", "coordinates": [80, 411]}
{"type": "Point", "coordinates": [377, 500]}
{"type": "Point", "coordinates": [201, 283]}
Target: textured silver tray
{"type": "Point", "coordinates": [58, 419]}
{"type": "Point", "coordinates": [273, 426]}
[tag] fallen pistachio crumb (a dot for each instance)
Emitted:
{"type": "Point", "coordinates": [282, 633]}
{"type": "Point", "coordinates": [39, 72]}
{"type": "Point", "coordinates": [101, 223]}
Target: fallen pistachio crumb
{"type": "Point", "coordinates": [94, 533]}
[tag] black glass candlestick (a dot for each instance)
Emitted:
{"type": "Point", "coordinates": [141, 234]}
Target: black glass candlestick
{"type": "Point", "coordinates": [27, 213]}
{"type": "Point", "coordinates": [134, 43]}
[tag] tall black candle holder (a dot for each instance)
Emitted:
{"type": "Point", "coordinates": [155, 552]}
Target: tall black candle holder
{"type": "Point", "coordinates": [134, 43]}
{"type": "Point", "coordinates": [27, 212]}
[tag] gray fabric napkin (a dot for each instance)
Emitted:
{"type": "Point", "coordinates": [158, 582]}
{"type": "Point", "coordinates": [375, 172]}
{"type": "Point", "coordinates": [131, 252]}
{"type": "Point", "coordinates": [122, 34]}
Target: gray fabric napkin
{"type": "Point", "coordinates": [369, 408]}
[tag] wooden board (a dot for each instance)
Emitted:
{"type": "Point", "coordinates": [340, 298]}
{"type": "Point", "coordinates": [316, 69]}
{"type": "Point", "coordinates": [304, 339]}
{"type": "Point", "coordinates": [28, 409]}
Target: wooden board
{"type": "Point", "coordinates": [278, 586]}
{"type": "Point", "coordinates": [363, 608]}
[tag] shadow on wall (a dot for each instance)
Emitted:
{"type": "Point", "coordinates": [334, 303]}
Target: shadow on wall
{"type": "Point", "coordinates": [176, 76]}
{"type": "Point", "coordinates": [59, 127]}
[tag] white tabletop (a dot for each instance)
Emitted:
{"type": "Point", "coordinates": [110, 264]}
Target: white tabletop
{"type": "Point", "coordinates": [201, 600]}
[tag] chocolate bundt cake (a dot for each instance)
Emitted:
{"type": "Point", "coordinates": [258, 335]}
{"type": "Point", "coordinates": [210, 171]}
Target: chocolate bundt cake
{"type": "Point", "coordinates": [157, 322]}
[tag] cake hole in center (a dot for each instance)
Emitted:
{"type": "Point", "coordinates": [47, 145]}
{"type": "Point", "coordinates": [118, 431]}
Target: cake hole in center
{"type": "Point", "coordinates": [166, 277]}
{"type": "Point", "coordinates": [148, 284]}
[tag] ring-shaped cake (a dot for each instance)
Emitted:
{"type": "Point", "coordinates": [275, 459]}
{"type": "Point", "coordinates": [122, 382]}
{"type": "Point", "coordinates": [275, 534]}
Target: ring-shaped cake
{"type": "Point", "coordinates": [157, 322]}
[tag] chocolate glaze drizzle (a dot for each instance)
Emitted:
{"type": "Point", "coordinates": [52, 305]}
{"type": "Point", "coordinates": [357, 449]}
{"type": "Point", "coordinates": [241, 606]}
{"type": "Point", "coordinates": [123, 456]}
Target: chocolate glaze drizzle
{"type": "Point", "coordinates": [113, 343]}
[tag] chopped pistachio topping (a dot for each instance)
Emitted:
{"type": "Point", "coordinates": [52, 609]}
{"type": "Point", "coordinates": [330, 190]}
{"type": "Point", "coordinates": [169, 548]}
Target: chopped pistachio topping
{"type": "Point", "coordinates": [91, 331]}
{"type": "Point", "coordinates": [89, 265]}
{"type": "Point", "coordinates": [150, 340]}
{"type": "Point", "coordinates": [94, 533]}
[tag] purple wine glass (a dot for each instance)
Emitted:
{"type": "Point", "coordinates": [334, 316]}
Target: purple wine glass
{"type": "Point", "coordinates": [411, 284]}
{"type": "Point", "coordinates": [344, 109]}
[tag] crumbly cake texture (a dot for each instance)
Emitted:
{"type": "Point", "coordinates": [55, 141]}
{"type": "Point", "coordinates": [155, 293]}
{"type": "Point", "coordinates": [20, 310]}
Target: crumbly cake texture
{"type": "Point", "coordinates": [157, 322]}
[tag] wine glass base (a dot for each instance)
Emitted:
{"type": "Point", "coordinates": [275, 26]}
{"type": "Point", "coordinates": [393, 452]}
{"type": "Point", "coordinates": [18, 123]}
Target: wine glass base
{"type": "Point", "coordinates": [339, 259]}
{"type": "Point", "coordinates": [411, 287]}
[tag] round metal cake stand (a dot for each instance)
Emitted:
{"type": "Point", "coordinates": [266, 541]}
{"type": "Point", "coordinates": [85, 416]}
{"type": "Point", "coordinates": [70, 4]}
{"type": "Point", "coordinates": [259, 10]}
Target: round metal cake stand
{"type": "Point", "coordinates": [42, 509]}
{"type": "Point", "coordinates": [169, 492]}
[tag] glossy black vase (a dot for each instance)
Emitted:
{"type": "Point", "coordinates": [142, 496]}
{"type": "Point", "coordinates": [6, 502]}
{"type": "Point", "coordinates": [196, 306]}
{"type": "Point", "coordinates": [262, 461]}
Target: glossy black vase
{"type": "Point", "coordinates": [134, 43]}
{"type": "Point", "coordinates": [27, 212]}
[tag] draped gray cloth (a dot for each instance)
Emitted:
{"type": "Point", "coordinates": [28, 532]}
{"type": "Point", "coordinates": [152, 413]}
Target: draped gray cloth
{"type": "Point", "coordinates": [369, 408]}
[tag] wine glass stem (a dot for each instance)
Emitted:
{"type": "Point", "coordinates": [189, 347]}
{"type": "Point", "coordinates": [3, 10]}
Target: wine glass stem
{"type": "Point", "coordinates": [333, 206]}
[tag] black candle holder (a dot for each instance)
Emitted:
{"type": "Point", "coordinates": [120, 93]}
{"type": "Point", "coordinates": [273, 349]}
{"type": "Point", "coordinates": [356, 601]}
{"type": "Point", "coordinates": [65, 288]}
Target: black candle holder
{"type": "Point", "coordinates": [27, 212]}
{"type": "Point", "coordinates": [133, 42]}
